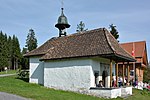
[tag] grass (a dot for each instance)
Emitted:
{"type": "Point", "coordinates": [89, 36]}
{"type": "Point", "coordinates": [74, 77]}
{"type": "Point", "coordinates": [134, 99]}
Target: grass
{"type": "Point", "coordinates": [140, 95]}
{"type": "Point", "coordinates": [36, 92]}
{"type": "Point", "coordinates": [8, 72]}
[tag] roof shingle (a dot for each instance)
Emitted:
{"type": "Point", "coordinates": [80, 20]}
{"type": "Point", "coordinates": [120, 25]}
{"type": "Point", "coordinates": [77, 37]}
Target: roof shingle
{"type": "Point", "coordinates": [97, 42]}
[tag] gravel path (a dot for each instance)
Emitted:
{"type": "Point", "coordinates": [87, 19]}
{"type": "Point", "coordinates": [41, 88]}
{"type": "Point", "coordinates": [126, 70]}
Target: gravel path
{"type": "Point", "coordinates": [3, 75]}
{"type": "Point", "coordinates": [7, 96]}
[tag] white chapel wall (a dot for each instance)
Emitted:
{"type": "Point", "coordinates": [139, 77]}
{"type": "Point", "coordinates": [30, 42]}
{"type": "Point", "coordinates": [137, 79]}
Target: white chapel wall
{"type": "Point", "coordinates": [95, 69]}
{"type": "Point", "coordinates": [71, 74]}
{"type": "Point", "coordinates": [36, 71]}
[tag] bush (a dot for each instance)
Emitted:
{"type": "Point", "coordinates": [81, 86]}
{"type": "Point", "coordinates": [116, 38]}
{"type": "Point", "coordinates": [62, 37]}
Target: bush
{"type": "Point", "coordinates": [23, 73]}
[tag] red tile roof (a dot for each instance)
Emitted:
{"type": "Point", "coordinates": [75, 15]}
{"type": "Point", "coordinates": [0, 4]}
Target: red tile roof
{"type": "Point", "coordinates": [140, 52]}
{"type": "Point", "coordinates": [138, 47]}
{"type": "Point", "coordinates": [97, 42]}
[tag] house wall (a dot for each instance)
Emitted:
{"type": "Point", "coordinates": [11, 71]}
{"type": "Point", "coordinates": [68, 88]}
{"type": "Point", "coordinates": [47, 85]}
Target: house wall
{"type": "Point", "coordinates": [139, 73]}
{"type": "Point", "coordinates": [36, 70]}
{"type": "Point", "coordinates": [73, 74]}
{"type": "Point", "coordinates": [68, 74]}
{"type": "Point", "coordinates": [95, 69]}
{"type": "Point", "coordinates": [99, 65]}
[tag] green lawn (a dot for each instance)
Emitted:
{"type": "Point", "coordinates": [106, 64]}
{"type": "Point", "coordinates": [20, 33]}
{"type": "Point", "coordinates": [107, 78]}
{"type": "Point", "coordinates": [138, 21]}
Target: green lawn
{"type": "Point", "coordinates": [37, 92]}
{"type": "Point", "coordinates": [8, 72]}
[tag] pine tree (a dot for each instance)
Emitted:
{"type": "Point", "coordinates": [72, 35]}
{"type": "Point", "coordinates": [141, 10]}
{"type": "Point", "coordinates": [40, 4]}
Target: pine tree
{"type": "Point", "coordinates": [16, 54]}
{"type": "Point", "coordinates": [24, 61]}
{"type": "Point", "coordinates": [146, 76]}
{"type": "Point", "coordinates": [9, 51]}
{"type": "Point", "coordinates": [114, 31]}
{"type": "Point", "coordinates": [31, 41]}
{"type": "Point", "coordinates": [3, 51]}
{"type": "Point", "coordinates": [9, 42]}
{"type": "Point", "coordinates": [80, 27]}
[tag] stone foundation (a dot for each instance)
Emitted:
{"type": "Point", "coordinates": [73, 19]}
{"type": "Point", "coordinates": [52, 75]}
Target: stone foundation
{"type": "Point", "coordinates": [126, 91]}
{"type": "Point", "coordinates": [110, 92]}
{"type": "Point", "coordinates": [105, 92]}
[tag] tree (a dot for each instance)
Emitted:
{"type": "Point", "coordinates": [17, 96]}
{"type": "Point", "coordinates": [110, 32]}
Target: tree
{"type": "Point", "coordinates": [3, 51]}
{"type": "Point", "coordinates": [146, 77]}
{"type": "Point", "coordinates": [80, 27]}
{"type": "Point", "coordinates": [24, 61]}
{"type": "Point", "coordinates": [114, 31]}
{"type": "Point", "coordinates": [9, 42]}
{"type": "Point", "coordinates": [31, 41]}
{"type": "Point", "coordinates": [9, 51]}
{"type": "Point", "coordinates": [31, 44]}
{"type": "Point", "coordinates": [149, 64]}
{"type": "Point", "coordinates": [15, 53]}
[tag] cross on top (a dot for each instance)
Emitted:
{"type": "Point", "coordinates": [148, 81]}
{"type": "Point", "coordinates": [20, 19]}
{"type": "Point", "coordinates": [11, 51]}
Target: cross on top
{"type": "Point", "coordinates": [62, 3]}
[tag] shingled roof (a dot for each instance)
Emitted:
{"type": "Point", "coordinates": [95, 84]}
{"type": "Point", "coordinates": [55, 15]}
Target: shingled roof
{"type": "Point", "coordinates": [97, 42]}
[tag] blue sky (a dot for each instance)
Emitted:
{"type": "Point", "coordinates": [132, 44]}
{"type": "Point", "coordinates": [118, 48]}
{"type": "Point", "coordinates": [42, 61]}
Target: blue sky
{"type": "Point", "coordinates": [132, 17]}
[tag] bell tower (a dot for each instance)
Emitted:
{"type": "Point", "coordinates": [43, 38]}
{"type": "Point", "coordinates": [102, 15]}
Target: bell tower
{"type": "Point", "coordinates": [62, 24]}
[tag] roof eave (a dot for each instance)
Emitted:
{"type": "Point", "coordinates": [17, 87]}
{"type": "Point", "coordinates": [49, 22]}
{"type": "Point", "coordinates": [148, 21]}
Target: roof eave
{"type": "Point", "coordinates": [32, 55]}
{"type": "Point", "coordinates": [119, 58]}
{"type": "Point", "coordinates": [108, 56]}
{"type": "Point", "coordinates": [126, 58]}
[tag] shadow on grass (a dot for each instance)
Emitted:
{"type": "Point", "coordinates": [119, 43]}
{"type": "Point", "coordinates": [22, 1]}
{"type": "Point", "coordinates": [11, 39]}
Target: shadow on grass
{"type": "Point", "coordinates": [23, 79]}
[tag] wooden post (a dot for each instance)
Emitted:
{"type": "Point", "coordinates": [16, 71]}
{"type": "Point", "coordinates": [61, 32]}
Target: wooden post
{"type": "Point", "coordinates": [128, 73]}
{"type": "Point", "coordinates": [116, 74]}
{"type": "Point", "coordinates": [123, 74]}
{"type": "Point", "coordinates": [110, 73]}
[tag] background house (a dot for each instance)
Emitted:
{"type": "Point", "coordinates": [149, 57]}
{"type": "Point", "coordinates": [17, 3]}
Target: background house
{"type": "Point", "coordinates": [139, 52]}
